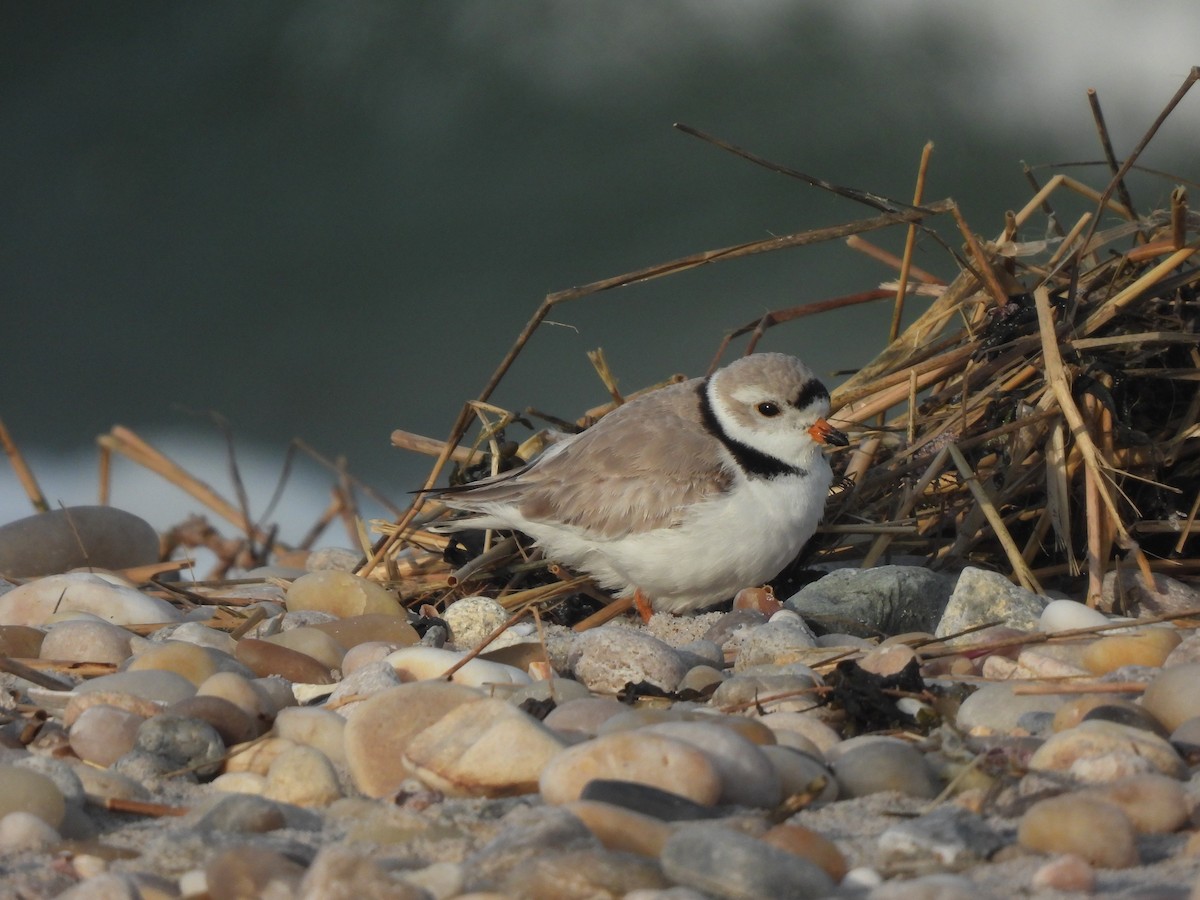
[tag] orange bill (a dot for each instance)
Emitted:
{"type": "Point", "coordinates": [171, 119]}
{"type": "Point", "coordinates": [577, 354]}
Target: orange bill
{"type": "Point", "coordinates": [824, 433]}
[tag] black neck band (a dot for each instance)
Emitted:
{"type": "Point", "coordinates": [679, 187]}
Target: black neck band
{"type": "Point", "coordinates": [754, 463]}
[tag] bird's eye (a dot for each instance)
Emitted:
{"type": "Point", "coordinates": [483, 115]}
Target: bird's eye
{"type": "Point", "coordinates": [768, 409]}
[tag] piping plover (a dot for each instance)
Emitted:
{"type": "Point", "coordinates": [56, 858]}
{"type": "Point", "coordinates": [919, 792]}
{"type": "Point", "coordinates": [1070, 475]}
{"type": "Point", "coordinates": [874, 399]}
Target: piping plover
{"type": "Point", "coordinates": [682, 496]}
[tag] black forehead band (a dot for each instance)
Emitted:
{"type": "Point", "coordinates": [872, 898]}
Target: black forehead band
{"type": "Point", "coordinates": [812, 390]}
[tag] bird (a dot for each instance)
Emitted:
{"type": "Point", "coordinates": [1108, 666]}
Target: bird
{"type": "Point", "coordinates": [682, 496]}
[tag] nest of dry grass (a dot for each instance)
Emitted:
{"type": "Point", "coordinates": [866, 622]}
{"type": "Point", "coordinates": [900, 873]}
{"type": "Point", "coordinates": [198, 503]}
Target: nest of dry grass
{"type": "Point", "coordinates": [1039, 418]}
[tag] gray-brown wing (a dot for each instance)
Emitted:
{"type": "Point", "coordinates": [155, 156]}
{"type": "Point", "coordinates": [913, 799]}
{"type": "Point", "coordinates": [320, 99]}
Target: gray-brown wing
{"type": "Point", "coordinates": [635, 471]}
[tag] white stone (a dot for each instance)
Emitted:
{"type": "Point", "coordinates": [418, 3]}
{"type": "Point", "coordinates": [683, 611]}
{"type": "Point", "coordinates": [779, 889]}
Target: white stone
{"type": "Point", "coordinates": [36, 602]}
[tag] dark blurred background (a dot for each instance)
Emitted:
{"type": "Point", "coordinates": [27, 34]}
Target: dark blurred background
{"type": "Point", "coordinates": [327, 220]}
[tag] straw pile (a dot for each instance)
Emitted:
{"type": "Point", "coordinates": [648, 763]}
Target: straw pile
{"type": "Point", "coordinates": [1038, 418]}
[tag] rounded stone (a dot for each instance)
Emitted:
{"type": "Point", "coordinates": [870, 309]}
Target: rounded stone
{"type": "Point", "coordinates": [996, 708]}
{"type": "Point", "coordinates": [778, 642]}
{"type": "Point", "coordinates": [256, 757]}
{"type": "Point", "coordinates": [242, 813]}
{"type": "Point", "coordinates": [21, 641]}
{"type": "Point", "coordinates": [312, 642]}
{"type": "Point", "coordinates": [80, 702]}
{"type": "Point", "coordinates": [485, 748]}
{"type": "Point", "coordinates": [583, 716]}
{"type": "Point", "coordinates": [193, 662]}
{"type": "Point", "coordinates": [184, 742]}
{"type": "Point", "coordinates": [38, 602]}
{"type": "Point", "coordinates": [882, 764]}
{"type": "Point", "coordinates": [635, 756]}
{"type": "Point", "coordinates": [303, 776]}
{"type": "Point", "coordinates": [802, 731]}
{"type": "Point", "coordinates": [1067, 873]}
{"type": "Point", "coordinates": [810, 845]}
{"type": "Point", "coordinates": [1067, 615]}
{"type": "Point", "coordinates": [472, 619]}
{"type": "Point", "coordinates": [1154, 804]}
{"type": "Point", "coordinates": [246, 695]}
{"type": "Point", "coordinates": [264, 658]}
{"type": "Point", "coordinates": [249, 871]}
{"type": "Point", "coordinates": [151, 684]}
{"type": "Point", "coordinates": [379, 729]}
{"type": "Point", "coordinates": [419, 663]}
{"type": "Point", "coordinates": [1089, 749]}
{"type": "Point", "coordinates": [747, 776]}
{"type": "Point", "coordinates": [87, 640]}
{"type": "Point", "coordinates": [727, 863]}
{"type": "Point", "coordinates": [31, 792]}
{"type": "Point", "coordinates": [355, 630]}
{"type": "Point", "coordinates": [1171, 697]}
{"type": "Point", "coordinates": [22, 832]}
{"type": "Point", "coordinates": [1091, 829]}
{"type": "Point", "coordinates": [103, 734]}
{"type": "Point", "coordinates": [102, 537]}
{"type": "Point", "coordinates": [322, 729]}
{"type": "Point", "coordinates": [342, 594]}
{"type": "Point", "coordinates": [618, 828]}
{"type": "Point", "coordinates": [607, 659]}
{"type": "Point", "coordinates": [231, 722]}
{"type": "Point", "coordinates": [802, 775]}
{"type": "Point", "coordinates": [1145, 647]}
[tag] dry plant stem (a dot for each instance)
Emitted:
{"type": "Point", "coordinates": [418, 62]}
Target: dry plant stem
{"type": "Point", "coordinates": [880, 545]}
{"type": "Point", "coordinates": [1091, 686]}
{"type": "Point", "coordinates": [1137, 290]}
{"type": "Point", "coordinates": [1020, 569]}
{"type": "Point", "coordinates": [417, 443]}
{"type": "Point", "coordinates": [990, 281]}
{"type": "Point", "coordinates": [910, 242]}
{"type": "Point", "coordinates": [600, 364]}
{"type": "Point", "coordinates": [483, 645]}
{"type": "Point", "coordinates": [1192, 77]}
{"type": "Point", "coordinates": [607, 614]}
{"type": "Point", "coordinates": [129, 445]}
{"type": "Point", "coordinates": [256, 615]}
{"type": "Point", "coordinates": [1179, 214]}
{"type": "Point", "coordinates": [498, 551]}
{"type": "Point", "coordinates": [874, 251]}
{"type": "Point", "coordinates": [1068, 242]}
{"type": "Point", "coordinates": [1106, 144]}
{"type": "Point", "coordinates": [30, 674]}
{"type": "Point", "coordinates": [23, 472]}
{"type": "Point", "coordinates": [137, 807]}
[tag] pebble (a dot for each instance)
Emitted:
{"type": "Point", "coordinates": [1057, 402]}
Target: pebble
{"type": "Point", "coordinates": [1116, 751]}
{"type": "Point", "coordinates": [233, 724]}
{"type": "Point", "coordinates": [150, 684]}
{"type": "Point", "coordinates": [353, 631]}
{"type": "Point", "coordinates": [56, 541]}
{"type": "Point", "coordinates": [193, 662]}
{"type": "Point", "coordinates": [778, 642]}
{"type": "Point", "coordinates": [1096, 831]}
{"type": "Point", "coordinates": [182, 741]}
{"type": "Point", "coordinates": [312, 642]}
{"type": "Point", "coordinates": [584, 716]}
{"type": "Point", "coordinates": [632, 756]}
{"type": "Point", "coordinates": [21, 641]}
{"type": "Point", "coordinates": [303, 776]}
{"type": "Point", "coordinates": [1067, 873]}
{"type": "Point", "coordinates": [728, 863]}
{"type": "Point", "coordinates": [419, 663]}
{"type": "Point", "coordinates": [341, 594]}
{"type": "Point", "coordinates": [1146, 647]}
{"type": "Point", "coordinates": [619, 828]}
{"type": "Point", "coordinates": [483, 748]}
{"type": "Point", "coordinates": [380, 728]}
{"type": "Point", "coordinates": [1171, 697]}
{"type": "Point", "coordinates": [472, 619]}
{"type": "Point", "coordinates": [31, 792]}
{"type": "Point", "coordinates": [871, 602]}
{"type": "Point", "coordinates": [103, 734]}
{"type": "Point", "coordinates": [22, 831]}
{"type": "Point", "coordinates": [38, 602]}
{"type": "Point", "coordinates": [246, 871]}
{"type": "Point", "coordinates": [1154, 804]}
{"type": "Point", "coordinates": [264, 658]}
{"type": "Point", "coordinates": [882, 764]}
{"type": "Point", "coordinates": [86, 640]}
{"type": "Point", "coordinates": [802, 774]}
{"type": "Point", "coordinates": [1066, 615]}
{"type": "Point", "coordinates": [645, 799]}
{"type": "Point", "coordinates": [322, 729]}
{"type": "Point", "coordinates": [1124, 592]}
{"type": "Point", "coordinates": [980, 597]}
{"type": "Point", "coordinates": [609, 658]}
{"type": "Point", "coordinates": [950, 836]}
{"type": "Point", "coordinates": [997, 708]}
{"type": "Point", "coordinates": [747, 776]}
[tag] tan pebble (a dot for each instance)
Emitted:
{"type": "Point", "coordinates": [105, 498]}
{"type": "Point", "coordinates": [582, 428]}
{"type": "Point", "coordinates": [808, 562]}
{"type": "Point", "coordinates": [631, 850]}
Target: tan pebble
{"type": "Point", "coordinates": [230, 721]}
{"type": "Point", "coordinates": [379, 729]}
{"type": "Point", "coordinates": [362, 655]}
{"type": "Point", "coordinates": [812, 729]}
{"type": "Point", "coordinates": [342, 594]}
{"type": "Point", "coordinates": [246, 871]}
{"type": "Point", "coordinates": [1191, 847]}
{"type": "Point", "coordinates": [1037, 663]}
{"type": "Point", "coordinates": [752, 730]}
{"type": "Point", "coordinates": [303, 776]}
{"type": "Point", "coordinates": [618, 828]}
{"type": "Point", "coordinates": [1068, 873]}
{"type": "Point", "coordinates": [1096, 739]}
{"type": "Point", "coordinates": [240, 783]}
{"type": "Point", "coordinates": [86, 640]}
{"type": "Point", "coordinates": [193, 662]}
{"type": "Point", "coordinates": [1155, 804]}
{"type": "Point", "coordinates": [264, 658]}
{"type": "Point", "coordinates": [255, 756]}
{"type": "Point", "coordinates": [1092, 829]}
{"type": "Point", "coordinates": [313, 727]}
{"type": "Point", "coordinates": [487, 748]}
{"type": "Point", "coordinates": [341, 872]}
{"type": "Point", "coordinates": [888, 660]}
{"type": "Point", "coordinates": [583, 715]}
{"type": "Point", "coordinates": [632, 756]}
{"type": "Point", "coordinates": [243, 693]}
{"type": "Point", "coordinates": [27, 791]}
{"type": "Point", "coordinates": [810, 845]}
{"type": "Point", "coordinates": [21, 641]}
{"type": "Point", "coordinates": [103, 734]}
{"type": "Point", "coordinates": [311, 642]}
{"type": "Point", "coordinates": [354, 630]}
{"type": "Point", "coordinates": [139, 706]}
{"type": "Point", "coordinates": [757, 598]}
{"type": "Point", "coordinates": [802, 774]}
{"type": "Point", "coordinates": [1072, 712]}
{"type": "Point", "coordinates": [1147, 647]}
{"type": "Point", "coordinates": [1171, 697]}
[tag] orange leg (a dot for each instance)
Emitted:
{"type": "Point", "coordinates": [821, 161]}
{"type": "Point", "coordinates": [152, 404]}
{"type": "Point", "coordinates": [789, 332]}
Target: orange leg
{"type": "Point", "coordinates": [642, 604]}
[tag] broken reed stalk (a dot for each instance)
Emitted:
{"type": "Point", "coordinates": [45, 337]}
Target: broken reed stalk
{"type": "Point", "coordinates": [22, 471]}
